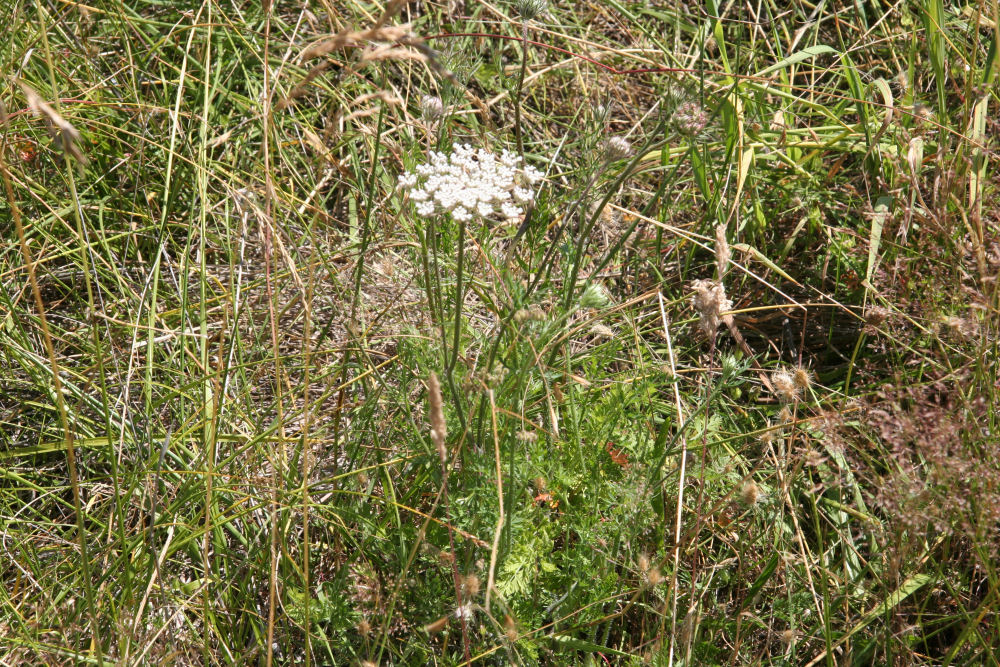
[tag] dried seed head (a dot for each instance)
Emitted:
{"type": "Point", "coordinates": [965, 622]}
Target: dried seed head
{"type": "Point", "coordinates": [643, 562]}
{"type": "Point", "coordinates": [526, 436]}
{"type": "Point", "coordinates": [64, 135]}
{"type": "Point", "coordinates": [785, 387]}
{"type": "Point", "coordinates": [654, 577]}
{"type": "Point", "coordinates": [802, 378]}
{"type": "Point", "coordinates": [439, 429]}
{"type": "Point", "coordinates": [431, 107]}
{"type": "Point", "coordinates": [923, 112]}
{"type": "Point", "coordinates": [876, 315]}
{"type": "Point", "coordinates": [961, 328]}
{"type": "Point", "coordinates": [510, 628]}
{"type": "Point", "coordinates": [470, 584]}
{"type": "Point", "coordinates": [602, 331]}
{"type": "Point", "coordinates": [915, 155]}
{"type": "Point", "coordinates": [749, 492]}
{"type": "Point", "coordinates": [785, 415]}
{"type": "Point", "coordinates": [437, 626]}
{"type": "Point", "coordinates": [709, 299]}
{"type": "Point", "coordinates": [364, 627]}
{"type": "Point", "coordinates": [617, 148]}
{"type": "Point", "coordinates": [722, 254]}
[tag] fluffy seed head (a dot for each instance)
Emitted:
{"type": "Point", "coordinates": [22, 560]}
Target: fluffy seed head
{"type": "Point", "coordinates": [785, 386]}
{"type": "Point", "coordinates": [617, 148]}
{"type": "Point", "coordinates": [470, 584]}
{"type": "Point", "coordinates": [531, 9]}
{"type": "Point", "coordinates": [802, 378]}
{"type": "Point", "coordinates": [510, 628]}
{"type": "Point", "coordinates": [431, 107]}
{"type": "Point", "coordinates": [526, 436]}
{"type": "Point", "coordinates": [594, 296]}
{"type": "Point", "coordinates": [643, 563]}
{"type": "Point", "coordinates": [749, 492]}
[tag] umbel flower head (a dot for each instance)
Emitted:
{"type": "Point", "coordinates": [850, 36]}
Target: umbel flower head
{"type": "Point", "coordinates": [468, 183]}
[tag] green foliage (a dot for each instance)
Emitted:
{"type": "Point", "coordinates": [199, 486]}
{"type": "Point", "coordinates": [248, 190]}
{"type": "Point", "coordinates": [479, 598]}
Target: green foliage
{"type": "Point", "coordinates": [219, 441]}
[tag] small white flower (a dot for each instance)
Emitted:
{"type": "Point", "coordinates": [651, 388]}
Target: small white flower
{"type": "Point", "coordinates": [471, 183]}
{"type": "Point", "coordinates": [510, 211]}
{"type": "Point", "coordinates": [523, 196]}
{"type": "Point", "coordinates": [533, 175]}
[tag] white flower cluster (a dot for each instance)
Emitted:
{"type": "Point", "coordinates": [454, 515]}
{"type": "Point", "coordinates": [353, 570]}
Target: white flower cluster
{"type": "Point", "coordinates": [470, 182]}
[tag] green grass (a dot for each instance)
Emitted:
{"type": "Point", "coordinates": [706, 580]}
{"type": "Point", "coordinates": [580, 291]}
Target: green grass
{"type": "Point", "coordinates": [219, 318]}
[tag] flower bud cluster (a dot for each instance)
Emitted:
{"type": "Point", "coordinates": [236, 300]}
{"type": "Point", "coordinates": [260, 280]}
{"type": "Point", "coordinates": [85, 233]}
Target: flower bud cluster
{"type": "Point", "coordinates": [468, 182]}
{"type": "Point", "coordinates": [690, 118]}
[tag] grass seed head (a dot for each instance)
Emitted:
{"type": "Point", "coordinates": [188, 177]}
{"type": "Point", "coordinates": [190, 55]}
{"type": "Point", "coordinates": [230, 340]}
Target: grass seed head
{"type": "Point", "coordinates": [722, 252]}
{"type": "Point", "coordinates": [602, 331]}
{"type": "Point", "coordinates": [710, 300]}
{"type": "Point", "coordinates": [64, 135]}
{"type": "Point", "coordinates": [439, 429]}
